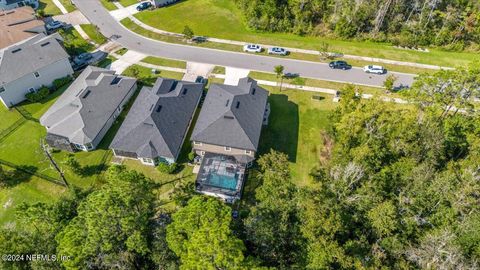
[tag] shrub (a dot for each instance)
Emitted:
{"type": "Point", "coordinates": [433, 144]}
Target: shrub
{"type": "Point", "coordinates": [167, 168]}
{"type": "Point", "coordinates": [58, 83]}
{"type": "Point", "coordinates": [191, 156]}
{"type": "Point", "coordinates": [188, 32]}
{"type": "Point", "coordinates": [39, 95]}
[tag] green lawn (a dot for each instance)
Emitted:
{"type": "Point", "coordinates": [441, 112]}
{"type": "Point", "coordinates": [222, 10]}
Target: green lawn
{"type": "Point", "coordinates": [165, 62]}
{"type": "Point", "coordinates": [218, 70]}
{"type": "Point", "coordinates": [74, 43]}
{"type": "Point", "coordinates": [49, 7]}
{"type": "Point", "coordinates": [8, 117]}
{"type": "Point", "coordinates": [93, 33]}
{"type": "Point", "coordinates": [108, 4]}
{"type": "Point", "coordinates": [68, 5]}
{"type": "Point", "coordinates": [223, 19]}
{"type": "Point", "coordinates": [127, 3]}
{"type": "Point", "coordinates": [145, 74]}
{"type": "Point", "coordinates": [122, 51]}
{"type": "Point", "coordinates": [106, 62]}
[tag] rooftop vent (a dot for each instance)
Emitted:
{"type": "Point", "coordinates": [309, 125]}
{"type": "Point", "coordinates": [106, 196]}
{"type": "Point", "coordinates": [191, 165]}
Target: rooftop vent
{"type": "Point", "coordinates": [116, 80]}
{"type": "Point", "coordinates": [228, 102]}
{"type": "Point", "coordinates": [228, 117]}
{"type": "Point", "coordinates": [174, 85]}
{"type": "Point", "coordinates": [238, 105]}
{"type": "Point", "coordinates": [253, 91]}
{"type": "Point", "coordinates": [16, 50]}
{"type": "Point", "coordinates": [151, 107]}
{"type": "Point", "coordinates": [159, 108]}
{"type": "Point", "coordinates": [45, 44]}
{"type": "Point", "coordinates": [185, 90]}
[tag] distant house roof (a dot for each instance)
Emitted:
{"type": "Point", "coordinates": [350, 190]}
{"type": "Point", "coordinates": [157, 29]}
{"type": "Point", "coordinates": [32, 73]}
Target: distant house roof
{"type": "Point", "coordinates": [83, 109]}
{"type": "Point", "coordinates": [30, 56]}
{"type": "Point", "coordinates": [18, 24]}
{"type": "Point", "coordinates": [232, 115]}
{"type": "Point", "coordinates": [158, 120]}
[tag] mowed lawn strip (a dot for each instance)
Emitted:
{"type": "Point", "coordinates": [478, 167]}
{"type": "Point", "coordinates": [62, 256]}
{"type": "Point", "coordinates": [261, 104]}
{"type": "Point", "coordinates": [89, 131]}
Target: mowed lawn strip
{"type": "Point", "coordinates": [223, 19]}
{"type": "Point", "coordinates": [165, 62]}
{"type": "Point", "coordinates": [108, 5]}
{"type": "Point", "coordinates": [92, 32]}
{"type": "Point", "coordinates": [49, 8]}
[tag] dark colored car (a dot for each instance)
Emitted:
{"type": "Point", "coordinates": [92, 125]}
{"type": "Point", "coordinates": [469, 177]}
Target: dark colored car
{"type": "Point", "coordinates": [143, 6]}
{"type": "Point", "coordinates": [290, 75]}
{"type": "Point", "coordinates": [339, 65]}
{"type": "Point", "coordinates": [201, 80]}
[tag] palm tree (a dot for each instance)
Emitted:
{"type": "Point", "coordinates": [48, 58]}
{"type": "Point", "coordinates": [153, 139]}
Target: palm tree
{"type": "Point", "coordinates": [279, 71]}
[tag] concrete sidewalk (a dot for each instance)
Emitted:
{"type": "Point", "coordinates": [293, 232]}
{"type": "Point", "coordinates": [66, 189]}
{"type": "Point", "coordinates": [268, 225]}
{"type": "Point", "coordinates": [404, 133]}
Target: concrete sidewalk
{"type": "Point", "coordinates": [123, 12]}
{"type": "Point", "coordinates": [126, 60]}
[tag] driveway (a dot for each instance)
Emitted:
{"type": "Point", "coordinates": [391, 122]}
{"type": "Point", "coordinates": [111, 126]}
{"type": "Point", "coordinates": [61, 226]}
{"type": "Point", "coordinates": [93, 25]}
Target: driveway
{"type": "Point", "coordinates": [109, 27]}
{"type": "Point", "coordinates": [233, 75]}
{"type": "Point", "coordinates": [122, 13]}
{"type": "Point", "coordinates": [197, 69]}
{"type": "Point", "coordinates": [73, 18]}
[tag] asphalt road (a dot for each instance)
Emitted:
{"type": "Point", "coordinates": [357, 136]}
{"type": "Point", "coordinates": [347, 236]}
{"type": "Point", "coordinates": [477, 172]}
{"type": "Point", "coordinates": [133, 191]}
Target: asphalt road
{"type": "Point", "coordinates": [109, 27]}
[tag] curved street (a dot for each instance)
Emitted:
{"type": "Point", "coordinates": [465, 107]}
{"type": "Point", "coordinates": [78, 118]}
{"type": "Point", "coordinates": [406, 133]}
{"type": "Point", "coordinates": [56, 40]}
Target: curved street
{"type": "Point", "coordinates": [109, 27]}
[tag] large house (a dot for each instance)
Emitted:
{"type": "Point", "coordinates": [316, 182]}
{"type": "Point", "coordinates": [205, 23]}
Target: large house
{"type": "Point", "coordinates": [227, 134]}
{"type": "Point", "coordinates": [11, 4]}
{"type": "Point", "coordinates": [19, 24]}
{"type": "Point", "coordinates": [83, 114]}
{"type": "Point", "coordinates": [156, 125]}
{"type": "Point", "coordinates": [28, 65]}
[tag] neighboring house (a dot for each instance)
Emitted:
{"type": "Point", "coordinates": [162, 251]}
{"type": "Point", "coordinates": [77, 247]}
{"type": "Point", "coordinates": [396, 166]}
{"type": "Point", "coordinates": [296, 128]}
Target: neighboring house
{"type": "Point", "coordinates": [11, 4]}
{"type": "Point", "coordinates": [157, 124]}
{"type": "Point", "coordinates": [28, 65]}
{"type": "Point", "coordinates": [18, 25]}
{"type": "Point", "coordinates": [83, 114]}
{"type": "Point", "coordinates": [226, 135]}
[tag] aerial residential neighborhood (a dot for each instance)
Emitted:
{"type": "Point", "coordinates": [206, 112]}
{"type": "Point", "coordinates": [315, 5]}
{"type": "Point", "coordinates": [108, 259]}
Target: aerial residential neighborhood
{"type": "Point", "coordinates": [237, 134]}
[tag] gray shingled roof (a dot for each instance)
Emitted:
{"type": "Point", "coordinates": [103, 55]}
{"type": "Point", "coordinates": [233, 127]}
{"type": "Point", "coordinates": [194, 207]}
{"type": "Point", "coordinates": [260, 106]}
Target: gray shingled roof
{"type": "Point", "coordinates": [27, 57]}
{"type": "Point", "coordinates": [232, 115]}
{"type": "Point", "coordinates": [158, 120]}
{"type": "Point", "coordinates": [83, 109]}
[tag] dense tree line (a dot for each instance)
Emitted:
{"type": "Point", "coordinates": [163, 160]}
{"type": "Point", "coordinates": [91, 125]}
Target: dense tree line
{"type": "Point", "coordinates": [454, 24]}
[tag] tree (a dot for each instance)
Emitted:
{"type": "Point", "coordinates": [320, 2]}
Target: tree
{"type": "Point", "coordinates": [279, 72]}
{"type": "Point", "coordinates": [389, 83]}
{"type": "Point", "coordinates": [324, 51]}
{"type": "Point", "coordinates": [188, 32]}
{"type": "Point", "coordinates": [272, 223]}
{"type": "Point", "coordinates": [200, 236]}
{"type": "Point", "coordinates": [112, 228]}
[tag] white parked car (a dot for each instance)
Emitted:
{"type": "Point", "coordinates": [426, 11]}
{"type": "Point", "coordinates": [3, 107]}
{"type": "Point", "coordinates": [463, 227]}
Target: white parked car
{"type": "Point", "coordinates": [374, 69]}
{"type": "Point", "coordinates": [277, 51]}
{"type": "Point", "coordinates": [252, 48]}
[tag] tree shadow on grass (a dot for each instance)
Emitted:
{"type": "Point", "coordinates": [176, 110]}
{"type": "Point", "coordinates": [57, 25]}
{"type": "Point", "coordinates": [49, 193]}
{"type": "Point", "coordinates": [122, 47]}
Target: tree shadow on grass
{"type": "Point", "coordinates": [91, 170]}
{"type": "Point", "coordinates": [17, 176]}
{"type": "Point", "coordinates": [281, 134]}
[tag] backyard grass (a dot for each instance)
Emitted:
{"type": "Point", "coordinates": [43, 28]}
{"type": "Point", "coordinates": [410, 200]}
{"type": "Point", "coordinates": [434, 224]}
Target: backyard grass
{"type": "Point", "coordinates": [49, 8]}
{"type": "Point", "coordinates": [8, 117]}
{"type": "Point", "coordinates": [165, 62]}
{"type": "Point", "coordinates": [127, 3]}
{"type": "Point", "coordinates": [295, 126]}
{"type": "Point", "coordinates": [218, 70]}
{"type": "Point", "coordinates": [146, 77]}
{"type": "Point", "coordinates": [223, 19]}
{"type": "Point", "coordinates": [92, 31]}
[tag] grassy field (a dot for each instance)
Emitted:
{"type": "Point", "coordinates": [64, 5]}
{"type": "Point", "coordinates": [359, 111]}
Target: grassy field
{"type": "Point", "coordinates": [165, 62]}
{"type": "Point", "coordinates": [295, 126]}
{"type": "Point", "coordinates": [222, 19]}
{"type": "Point", "coordinates": [49, 7]}
{"type": "Point", "coordinates": [93, 33]}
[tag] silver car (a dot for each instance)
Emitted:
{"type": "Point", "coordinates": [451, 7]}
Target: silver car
{"type": "Point", "coordinates": [277, 51]}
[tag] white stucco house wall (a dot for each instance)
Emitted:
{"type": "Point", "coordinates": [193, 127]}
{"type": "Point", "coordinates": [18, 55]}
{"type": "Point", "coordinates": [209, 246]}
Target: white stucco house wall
{"type": "Point", "coordinates": [28, 65]}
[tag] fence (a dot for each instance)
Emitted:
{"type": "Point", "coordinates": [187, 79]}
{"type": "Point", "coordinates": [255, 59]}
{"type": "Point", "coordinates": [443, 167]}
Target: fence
{"type": "Point", "coordinates": [4, 133]}
{"type": "Point", "coordinates": [37, 174]}
{"type": "Point", "coordinates": [26, 114]}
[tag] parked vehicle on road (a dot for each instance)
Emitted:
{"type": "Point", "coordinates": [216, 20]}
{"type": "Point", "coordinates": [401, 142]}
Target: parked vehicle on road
{"type": "Point", "coordinates": [252, 48]}
{"type": "Point", "coordinates": [277, 51]}
{"type": "Point", "coordinates": [143, 6]}
{"type": "Point", "coordinates": [54, 25]}
{"type": "Point", "coordinates": [375, 69]}
{"type": "Point", "coordinates": [291, 75]}
{"type": "Point", "coordinates": [339, 65]}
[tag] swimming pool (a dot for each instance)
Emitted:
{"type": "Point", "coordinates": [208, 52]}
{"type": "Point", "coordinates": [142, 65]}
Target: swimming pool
{"type": "Point", "coordinates": [223, 181]}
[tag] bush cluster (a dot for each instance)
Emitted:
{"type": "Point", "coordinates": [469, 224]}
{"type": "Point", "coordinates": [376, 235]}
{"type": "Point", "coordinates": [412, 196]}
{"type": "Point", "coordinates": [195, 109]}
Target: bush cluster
{"type": "Point", "coordinates": [167, 168]}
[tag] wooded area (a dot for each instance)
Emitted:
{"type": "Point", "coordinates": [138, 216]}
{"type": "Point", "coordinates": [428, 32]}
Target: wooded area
{"type": "Point", "coordinates": [452, 24]}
